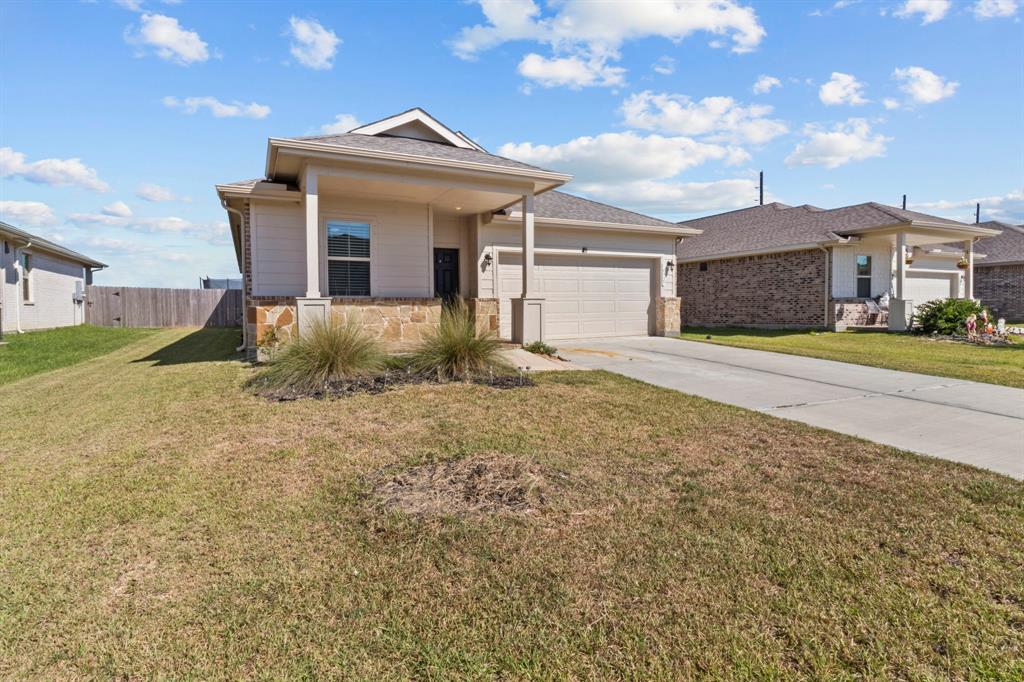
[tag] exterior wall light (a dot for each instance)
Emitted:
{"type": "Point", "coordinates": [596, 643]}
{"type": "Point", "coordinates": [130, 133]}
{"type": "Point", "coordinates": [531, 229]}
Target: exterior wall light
{"type": "Point", "coordinates": [488, 260]}
{"type": "Point", "coordinates": [668, 267]}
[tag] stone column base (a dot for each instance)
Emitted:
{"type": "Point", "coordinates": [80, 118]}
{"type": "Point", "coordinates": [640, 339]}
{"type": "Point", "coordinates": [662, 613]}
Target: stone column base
{"type": "Point", "coordinates": [309, 310]}
{"type": "Point", "coordinates": [901, 314]}
{"type": "Point", "coordinates": [667, 319]}
{"type": "Point", "coordinates": [527, 320]}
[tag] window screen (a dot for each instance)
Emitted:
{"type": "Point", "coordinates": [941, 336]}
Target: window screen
{"type": "Point", "coordinates": [348, 258]}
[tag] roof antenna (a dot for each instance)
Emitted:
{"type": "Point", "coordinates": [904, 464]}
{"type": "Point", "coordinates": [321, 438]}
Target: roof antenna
{"type": "Point", "coordinates": [904, 202]}
{"type": "Point", "coordinates": [977, 213]}
{"type": "Point", "coordinates": [760, 188]}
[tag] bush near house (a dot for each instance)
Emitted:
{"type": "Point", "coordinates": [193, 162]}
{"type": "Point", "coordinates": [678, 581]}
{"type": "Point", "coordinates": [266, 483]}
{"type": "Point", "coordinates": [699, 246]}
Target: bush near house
{"type": "Point", "coordinates": [540, 348]}
{"type": "Point", "coordinates": [946, 315]}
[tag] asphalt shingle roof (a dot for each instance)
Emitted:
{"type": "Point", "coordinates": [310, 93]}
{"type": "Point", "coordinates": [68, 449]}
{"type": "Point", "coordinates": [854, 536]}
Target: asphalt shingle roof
{"type": "Point", "coordinates": [776, 225]}
{"type": "Point", "coordinates": [47, 245]}
{"type": "Point", "coordinates": [560, 205]}
{"type": "Point", "coordinates": [1007, 247]}
{"type": "Point", "coordinates": [406, 145]}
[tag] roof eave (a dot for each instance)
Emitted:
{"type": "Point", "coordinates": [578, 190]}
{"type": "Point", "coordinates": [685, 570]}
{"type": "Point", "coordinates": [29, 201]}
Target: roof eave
{"type": "Point", "coordinates": [515, 217]}
{"type": "Point", "coordinates": [46, 245]}
{"type": "Point", "coordinates": [757, 252]}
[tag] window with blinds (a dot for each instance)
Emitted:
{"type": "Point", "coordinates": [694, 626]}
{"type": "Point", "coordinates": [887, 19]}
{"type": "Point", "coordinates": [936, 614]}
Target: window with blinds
{"type": "Point", "coordinates": [348, 258]}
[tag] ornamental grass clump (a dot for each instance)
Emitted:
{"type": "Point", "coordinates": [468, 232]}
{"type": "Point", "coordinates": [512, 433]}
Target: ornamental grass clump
{"type": "Point", "coordinates": [325, 354]}
{"type": "Point", "coordinates": [456, 350]}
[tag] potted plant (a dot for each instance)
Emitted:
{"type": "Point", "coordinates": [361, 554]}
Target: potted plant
{"type": "Point", "coordinates": [962, 263]}
{"type": "Point", "coordinates": [910, 258]}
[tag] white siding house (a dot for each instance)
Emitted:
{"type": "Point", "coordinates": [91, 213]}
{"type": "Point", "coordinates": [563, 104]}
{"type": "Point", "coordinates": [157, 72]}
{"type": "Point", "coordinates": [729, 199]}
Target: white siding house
{"type": "Point", "coordinates": [42, 284]}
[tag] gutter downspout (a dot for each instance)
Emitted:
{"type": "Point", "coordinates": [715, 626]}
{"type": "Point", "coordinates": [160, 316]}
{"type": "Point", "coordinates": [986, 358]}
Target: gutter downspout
{"type": "Point", "coordinates": [241, 240]}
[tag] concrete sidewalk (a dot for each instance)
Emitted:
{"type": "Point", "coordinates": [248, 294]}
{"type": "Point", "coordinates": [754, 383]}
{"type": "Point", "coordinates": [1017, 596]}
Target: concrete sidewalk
{"type": "Point", "coordinates": [963, 421]}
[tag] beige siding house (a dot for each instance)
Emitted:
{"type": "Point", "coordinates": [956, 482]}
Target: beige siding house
{"type": "Point", "coordinates": [42, 284]}
{"type": "Point", "coordinates": [781, 266]}
{"type": "Point", "coordinates": [385, 221]}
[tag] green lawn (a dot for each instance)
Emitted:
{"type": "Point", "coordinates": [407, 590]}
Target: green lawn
{"type": "Point", "coordinates": [991, 364]}
{"type": "Point", "coordinates": [35, 352]}
{"type": "Point", "coordinates": [159, 522]}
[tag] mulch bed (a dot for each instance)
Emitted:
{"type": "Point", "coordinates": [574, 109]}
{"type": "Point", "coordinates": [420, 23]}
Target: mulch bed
{"type": "Point", "coordinates": [472, 486]}
{"type": "Point", "coordinates": [380, 383]}
{"type": "Point", "coordinates": [979, 340]}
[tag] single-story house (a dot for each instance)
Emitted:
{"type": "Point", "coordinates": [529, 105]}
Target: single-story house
{"type": "Point", "coordinates": [42, 284]}
{"type": "Point", "coordinates": [779, 266]}
{"type": "Point", "coordinates": [385, 221]}
{"type": "Point", "coordinates": [999, 276]}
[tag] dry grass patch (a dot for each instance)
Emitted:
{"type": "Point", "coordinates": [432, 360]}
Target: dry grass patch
{"type": "Point", "coordinates": [478, 484]}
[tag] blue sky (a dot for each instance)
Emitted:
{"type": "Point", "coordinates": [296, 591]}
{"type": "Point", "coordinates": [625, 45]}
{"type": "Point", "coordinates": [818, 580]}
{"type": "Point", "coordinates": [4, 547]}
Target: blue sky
{"type": "Point", "coordinates": [117, 118]}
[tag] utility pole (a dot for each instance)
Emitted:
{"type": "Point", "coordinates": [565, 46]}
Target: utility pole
{"type": "Point", "coordinates": [904, 202]}
{"type": "Point", "coordinates": [977, 213]}
{"type": "Point", "coordinates": [760, 188]}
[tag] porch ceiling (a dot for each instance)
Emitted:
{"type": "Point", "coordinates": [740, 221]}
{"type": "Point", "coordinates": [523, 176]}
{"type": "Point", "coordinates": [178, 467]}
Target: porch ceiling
{"type": "Point", "coordinates": [444, 197]}
{"type": "Point", "coordinates": [920, 235]}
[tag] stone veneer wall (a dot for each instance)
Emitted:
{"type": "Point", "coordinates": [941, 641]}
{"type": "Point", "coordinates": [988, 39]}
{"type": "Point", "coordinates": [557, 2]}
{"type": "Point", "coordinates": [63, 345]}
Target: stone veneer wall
{"type": "Point", "coordinates": [775, 290]}
{"type": "Point", "coordinates": [486, 312]}
{"type": "Point", "coordinates": [395, 321]}
{"type": "Point", "coordinates": [667, 315]}
{"type": "Point", "coordinates": [1001, 289]}
{"type": "Point", "coordinates": [853, 312]}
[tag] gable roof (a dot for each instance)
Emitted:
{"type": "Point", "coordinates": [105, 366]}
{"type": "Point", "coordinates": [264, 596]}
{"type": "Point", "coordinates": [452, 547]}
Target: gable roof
{"type": "Point", "coordinates": [1002, 249]}
{"type": "Point", "coordinates": [563, 206]}
{"type": "Point", "coordinates": [38, 242]}
{"type": "Point", "coordinates": [779, 227]}
{"type": "Point", "coordinates": [417, 118]}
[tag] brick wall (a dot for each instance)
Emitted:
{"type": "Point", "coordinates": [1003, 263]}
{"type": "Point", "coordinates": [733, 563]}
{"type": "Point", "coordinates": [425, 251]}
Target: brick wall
{"type": "Point", "coordinates": [1001, 289]}
{"type": "Point", "coordinates": [770, 290]}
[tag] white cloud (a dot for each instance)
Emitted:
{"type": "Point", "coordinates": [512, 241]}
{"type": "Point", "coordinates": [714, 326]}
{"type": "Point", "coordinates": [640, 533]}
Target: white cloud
{"type": "Point", "coordinates": [236, 109]}
{"type": "Point", "coordinates": [27, 213]}
{"type": "Point", "coordinates": [666, 66]}
{"type": "Point", "coordinates": [840, 4]}
{"type": "Point", "coordinates": [312, 45]}
{"type": "Point", "coordinates": [133, 5]}
{"type": "Point", "coordinates": [117, 209]}
{"type": "Point", "coordinates": [930, 10]}
{"type": "Point", "coordinates": [765, 84]}
{"type": "Point", "coordinates": [842, 88]}
{"type": "Point", "coordinates": [342, 123]}
{"type": "Point", "coordinates": [924, 86]}
{"type": "Point", "coordinates": [845, 142]}
{"type": "Point", "coordinates": [56, 172]}
{"type": "Point", "coordinates": [152, 192]}
{"type": "Point", "coordinates": [993, 9]}
{"type": "Point", "coordinates": [890, 103]}
{"type": "Point", "coordinates": [574, 72]}
{"type": "Point", "coordinates": [213, 232]}
{"type": "Point", "coordinates": [591, 33]}
{"type": "Point", "coordinates": [621, 157]}
{"type": "Point", "coordinates": [169, 40]}
{"type": "Point", "coordinates": [722, 118]}
{"type": "Point", "coordinates": [677, 197]}
{"type": "Point", "coordinates": [1007, 208]}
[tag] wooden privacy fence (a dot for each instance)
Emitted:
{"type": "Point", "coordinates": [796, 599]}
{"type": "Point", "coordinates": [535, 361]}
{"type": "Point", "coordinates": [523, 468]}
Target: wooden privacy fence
{"type": "Point", "coordinates": [151, 307]}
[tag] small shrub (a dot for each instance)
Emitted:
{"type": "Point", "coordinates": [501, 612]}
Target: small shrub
{"type": "Point", "coordinates": [946, 315]}
{"type": "Point", "coordinates": [455, 350]}
{"type": "Point", "coordinates": [269, 343]}
{"type": "Point", "coordinates": [540, 348]}
{"type": "Point", "coordinates": [328, 352]}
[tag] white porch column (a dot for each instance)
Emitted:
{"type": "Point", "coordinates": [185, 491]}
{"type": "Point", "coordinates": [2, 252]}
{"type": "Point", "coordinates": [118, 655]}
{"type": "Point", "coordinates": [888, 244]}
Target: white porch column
{"type": "Point", "coordinates": [969, 272]}
{"type": "Point", "coordinates": [312, 234]}
{"type": "Point", "coordinates": [901, 263]}
{"type": "Point", "coordinates": [314, 306]}
{"type": "Point", "coordinates": [901, 311]}
{"type": "Point", "coordinates": [528, 309]}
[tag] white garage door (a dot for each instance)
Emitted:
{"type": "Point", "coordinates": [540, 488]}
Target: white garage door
{"type": "Point", "coordinates": [924, 287]}
{"type": "Point", "coordinates": [585, 296]}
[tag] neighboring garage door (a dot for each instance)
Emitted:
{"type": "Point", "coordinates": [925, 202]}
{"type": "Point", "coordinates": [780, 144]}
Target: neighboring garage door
{"type": "Point", "coordinates": [585, 296]}
{"type": "Point", "coordinates": [924, 287]}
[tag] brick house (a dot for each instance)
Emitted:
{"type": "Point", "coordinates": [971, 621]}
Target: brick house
{"type": "Point", "coordinates": [999, 276]}
{"type": "Point", "coordinates": [779, 266]}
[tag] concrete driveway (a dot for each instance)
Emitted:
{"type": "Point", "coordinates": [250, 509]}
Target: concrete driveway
{"type": "Point", "coordinates": [963, 421]}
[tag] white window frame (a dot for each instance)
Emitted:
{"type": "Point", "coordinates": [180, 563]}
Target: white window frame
{"type": "Point", "coordinates": [26, 278]}
{"type": "Point", "coordinates": [324, 258]}
{"type": "Point", "coordinates": [857, 276]}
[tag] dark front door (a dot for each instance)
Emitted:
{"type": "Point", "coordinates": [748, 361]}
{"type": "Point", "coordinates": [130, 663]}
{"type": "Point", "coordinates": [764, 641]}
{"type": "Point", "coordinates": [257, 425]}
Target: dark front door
{"type": "Point", "coordinates": [446, 272]}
